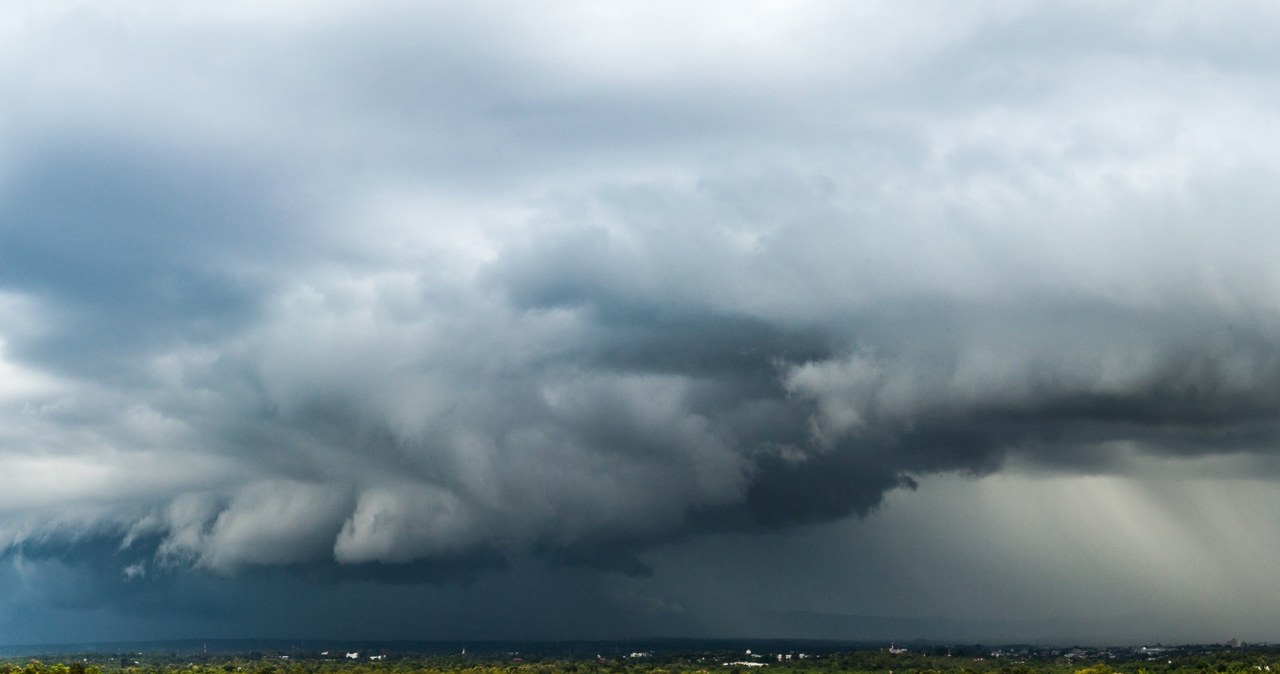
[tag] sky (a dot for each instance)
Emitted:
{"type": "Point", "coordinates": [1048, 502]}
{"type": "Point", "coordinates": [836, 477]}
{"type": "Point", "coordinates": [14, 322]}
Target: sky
{"type": "Point", "coordinates": [502, 320]}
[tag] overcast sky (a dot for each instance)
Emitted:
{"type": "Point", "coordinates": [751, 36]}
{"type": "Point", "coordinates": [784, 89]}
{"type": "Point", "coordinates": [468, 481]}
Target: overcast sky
{"type": "Point", "coordinates": [603, 319]}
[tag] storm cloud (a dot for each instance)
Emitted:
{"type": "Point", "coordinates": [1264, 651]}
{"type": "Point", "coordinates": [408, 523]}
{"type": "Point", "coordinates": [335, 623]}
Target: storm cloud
{"type": "Point", "coordinates": [372, 291]}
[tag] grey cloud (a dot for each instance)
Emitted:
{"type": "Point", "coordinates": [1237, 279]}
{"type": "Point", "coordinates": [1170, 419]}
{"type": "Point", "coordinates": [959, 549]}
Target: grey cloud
{"type": "Point", "coordinates": [410, 295]}
{"type": "Point", "coordinates": [276, 523]}
{"type": "Point", "coordinates": [130, 251]}
{"type": "Point", "coordinates": [562, 407]}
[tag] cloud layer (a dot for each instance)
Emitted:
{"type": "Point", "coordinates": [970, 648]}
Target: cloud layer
{"type": "Point", "coordinates": [381, 291]}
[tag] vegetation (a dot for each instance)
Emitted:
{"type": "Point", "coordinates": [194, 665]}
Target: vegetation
{"type": "Point", "coordinates": [930, 660]}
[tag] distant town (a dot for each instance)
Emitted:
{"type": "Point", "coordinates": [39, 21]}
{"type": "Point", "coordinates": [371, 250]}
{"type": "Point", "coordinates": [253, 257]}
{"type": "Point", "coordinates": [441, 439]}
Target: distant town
{"type": "Point", "coordinates": [643, 657]}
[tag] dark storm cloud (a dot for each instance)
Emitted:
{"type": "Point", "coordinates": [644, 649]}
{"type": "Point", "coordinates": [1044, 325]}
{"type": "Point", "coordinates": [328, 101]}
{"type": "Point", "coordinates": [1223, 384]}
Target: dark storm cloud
{"type": "Point", "coordinates": [408, 295]}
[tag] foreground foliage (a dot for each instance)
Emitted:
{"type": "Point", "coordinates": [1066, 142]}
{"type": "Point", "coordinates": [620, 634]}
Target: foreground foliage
{"type": "Point", "coordinates": [934, 660]}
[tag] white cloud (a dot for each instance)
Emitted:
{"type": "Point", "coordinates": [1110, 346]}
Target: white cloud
{"type": "Point", "coordinates": [274, 522]}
